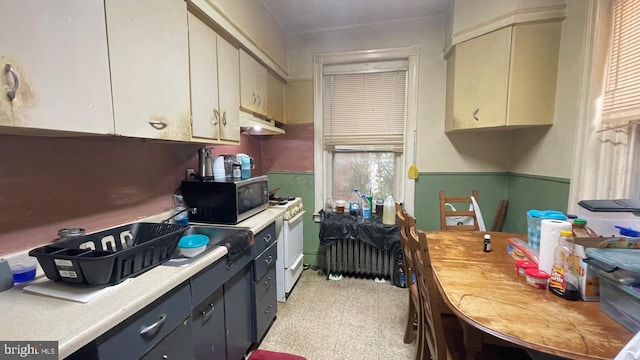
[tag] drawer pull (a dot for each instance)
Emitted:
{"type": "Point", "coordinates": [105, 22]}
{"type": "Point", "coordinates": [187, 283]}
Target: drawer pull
{"type": "Point", "coordinates": [267, 239]}
{"type": "Point", "coordinates": [149, 330]}
{"type": "Point", "coordinates": [209, 311]}
{"type": "Point", "coordinates": [165, 357]}
{"type": "Point", "coordinates": [269, 260]}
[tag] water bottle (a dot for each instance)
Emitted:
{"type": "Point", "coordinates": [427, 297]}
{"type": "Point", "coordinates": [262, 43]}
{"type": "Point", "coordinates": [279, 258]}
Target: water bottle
{"type": "Point", "coordinates": [355, 205]}
{"type": "Point", "coordinates": [389, 212]}
{"type": "Point", "coordinates": [366, 208]}
{"type": "Point", "coordinates": [180, 208]}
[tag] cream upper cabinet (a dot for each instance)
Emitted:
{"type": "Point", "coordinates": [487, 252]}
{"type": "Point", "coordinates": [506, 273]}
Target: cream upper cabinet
{"type": "Point", "coordinates": [149, 56]}
{"type": "Point", "coordinates": [214, 75]}
{"type": "Point", "coordinates": [253, 84]}
{"type": "Point", "coordinates": [275, 100]}
{"type": "Point", "coordinates": [58, 66]}
{"type": "Point", "coordinates": [506, 78]}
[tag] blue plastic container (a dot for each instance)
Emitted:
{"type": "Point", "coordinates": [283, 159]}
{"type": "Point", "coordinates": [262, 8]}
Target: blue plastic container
{"type": "Point", "coordinates": [534, 219]}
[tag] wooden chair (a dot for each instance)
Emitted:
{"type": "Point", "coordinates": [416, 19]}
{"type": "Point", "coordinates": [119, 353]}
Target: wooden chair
{"type": "Point", "coordinates": [412, 317]}
{"type": "Point", "coordinates": [462, 205]}
{"type": "Point", "coordinates": [439, 331]}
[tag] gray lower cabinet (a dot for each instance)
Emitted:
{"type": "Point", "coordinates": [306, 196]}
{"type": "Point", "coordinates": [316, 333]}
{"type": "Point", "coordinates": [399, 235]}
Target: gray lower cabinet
{"type": "Point", "coordinates": [265, 295]}
{"type": "Point", "coordinates": [238, 298]}
{"type": "Point", "coordinates": [209, 338]}
{"type": "Point", "coordinates": [177, 345]}
{"type": "Point", "coordinates": [149, 328]}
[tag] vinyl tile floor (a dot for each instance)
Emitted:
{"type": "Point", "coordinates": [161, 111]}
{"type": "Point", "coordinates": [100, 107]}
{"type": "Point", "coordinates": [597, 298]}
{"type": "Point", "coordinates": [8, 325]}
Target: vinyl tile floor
{"type": "Point", "coordinates": [343, 319]}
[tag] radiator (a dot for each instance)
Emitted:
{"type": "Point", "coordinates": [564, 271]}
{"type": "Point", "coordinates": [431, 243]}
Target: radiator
{"type": "Point", "coordinates": [356, 257]}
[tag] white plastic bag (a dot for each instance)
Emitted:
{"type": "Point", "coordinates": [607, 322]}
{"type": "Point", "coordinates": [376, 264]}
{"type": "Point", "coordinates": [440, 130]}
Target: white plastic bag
{"type": "Point", "coordinates": [466, 220]}
{"type": "Point", "coordinates": [458, 220]}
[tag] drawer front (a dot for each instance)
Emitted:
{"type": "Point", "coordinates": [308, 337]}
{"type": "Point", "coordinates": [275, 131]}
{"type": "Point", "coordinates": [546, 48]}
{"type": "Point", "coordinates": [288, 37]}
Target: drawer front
{"type": "Point", "coordinates": [265, 314]}
{"type": "Point", "coordinates": [145, 329]}
{"type": "Point", "coordinates": [176, 345]}
{"type": "Point", "coordinates": [213, 277]}
{"type": "Point", "coordinates": [265, 238]}
{"type": "Point", "coordinates": [265, 261]}
{"type": "Point", "coordinates": [266, 284]}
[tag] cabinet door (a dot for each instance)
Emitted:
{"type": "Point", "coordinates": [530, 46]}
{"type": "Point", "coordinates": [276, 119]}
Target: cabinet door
{"type": "Point", "coordinates": [205, 113]}
{"type": "Point", "coordinates": [149, 56]}
{"type": "Point", "coordinates": [262, 88]}
{"type": "Point", "coordinates": [238, 300]}
{"type": "Point", "coordinates": [481, 81]}
{"type": "Point", "coordinates": [59, 52]}
{"type": "Point", "coordinates": [208, 328]}
{"type": "Point", "coordinates": [229, 90]}
{"type": "Point", "coordinates": [275, 99]}
{"type": "Point", "coordinates": [248, 94]}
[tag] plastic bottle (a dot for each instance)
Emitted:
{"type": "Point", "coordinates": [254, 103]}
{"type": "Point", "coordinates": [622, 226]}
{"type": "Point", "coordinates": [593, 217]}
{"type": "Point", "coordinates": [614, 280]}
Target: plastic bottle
{"type": "Point", "coordinates": [245, 167]}
{"type": "Point", "coordinates": [355, 205]}
{"type": "Point", "coordinates": [399, 276]}
{"type": "Point", "coordinates": [580, 229]}
{"type": "Point", "coordinates": [180, 208]}
{"type": "Point", "coordinates": [366, 208]}
{"type": "Point", "coordinates": [562, 282]}
{"type": "Point", "coordinates": [389, 213]}
{"type": "Point", "coordinates": [379, 206]}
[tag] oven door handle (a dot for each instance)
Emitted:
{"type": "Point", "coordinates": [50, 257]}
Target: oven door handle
{"type": "Point", "coordinates": [295, 219]}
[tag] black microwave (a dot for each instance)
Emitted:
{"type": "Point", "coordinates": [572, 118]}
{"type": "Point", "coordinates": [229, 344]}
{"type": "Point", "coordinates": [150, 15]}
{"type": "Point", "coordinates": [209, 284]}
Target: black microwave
{"type": "Point", "coordinates": [226, 201]}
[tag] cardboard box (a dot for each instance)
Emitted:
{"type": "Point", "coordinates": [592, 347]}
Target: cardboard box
{"type": "Point", "coordinates": [588, 280]}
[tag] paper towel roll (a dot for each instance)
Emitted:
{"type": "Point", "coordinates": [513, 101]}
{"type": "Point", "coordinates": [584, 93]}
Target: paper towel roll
{"type": "Point", "coordinates": [549, 235]}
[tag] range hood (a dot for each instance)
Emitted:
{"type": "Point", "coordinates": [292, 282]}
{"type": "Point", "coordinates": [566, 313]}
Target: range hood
{"type": "Point", "coordinates": [253, 125]}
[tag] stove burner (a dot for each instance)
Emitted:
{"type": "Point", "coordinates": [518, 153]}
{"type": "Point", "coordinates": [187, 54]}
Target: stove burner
{"type": "Point", "coordinates": [282, 200]}
{"type": "Point", "coordinates": [278, 201]}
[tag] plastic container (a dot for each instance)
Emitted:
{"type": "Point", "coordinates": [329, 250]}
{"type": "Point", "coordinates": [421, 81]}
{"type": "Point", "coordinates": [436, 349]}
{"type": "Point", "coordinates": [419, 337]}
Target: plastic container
{"type": "Point", "coordinates": [23, 267]}
{"type": "Point", "coordinates": [180, 208]}
{"type": "Point", "coordinates": [340, 205]}
{"type": "Point", "coordinates": [366, 208]}
{"type": "Point", "coordinates": [604, 215]}
{"type": "Point", "coordinates": [562, 281]}
{"type": "Point", "coordinates": [537, 278]}
{"type": "Point", "coordinates": [355, 205]}
{"type": "Point", "coordinates": [245, 163]}
{"type": "Point", "coordinates": [524, 265]}
{"type": "Point", "coordinates": [389, 212]}
{"type": "Point", "coordinates": [192, 245]}
{"type": "Point", "coordinates": [109, 256]}
{"type": "Point", "coordinates": [534, 219]}
{"type": "Point", "coordinates": [619, 273]}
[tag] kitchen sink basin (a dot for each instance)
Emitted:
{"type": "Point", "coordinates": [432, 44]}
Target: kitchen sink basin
{"type": "Point", "coordinates": [216, 234]}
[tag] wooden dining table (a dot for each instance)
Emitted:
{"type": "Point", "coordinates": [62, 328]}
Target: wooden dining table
{"type": "Point", "coordinates": [484, 290]}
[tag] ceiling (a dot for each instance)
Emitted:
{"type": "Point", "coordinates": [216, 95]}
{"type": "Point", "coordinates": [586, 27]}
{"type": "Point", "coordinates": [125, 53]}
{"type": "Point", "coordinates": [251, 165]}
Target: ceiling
{"type": "Point", "coordinates": [311, 15]}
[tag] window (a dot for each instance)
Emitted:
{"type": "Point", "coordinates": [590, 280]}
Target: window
{"type": "Point", "coordinates": [608, 136]}
{"type": "Point", "coordinates": [365, 104]}
{"type": "Point", "coordinates": [363, 127]}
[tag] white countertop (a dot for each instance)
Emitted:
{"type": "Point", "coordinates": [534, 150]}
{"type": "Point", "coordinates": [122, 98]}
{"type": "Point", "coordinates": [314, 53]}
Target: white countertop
{"type": "Point", "coordinates": [32, 317]}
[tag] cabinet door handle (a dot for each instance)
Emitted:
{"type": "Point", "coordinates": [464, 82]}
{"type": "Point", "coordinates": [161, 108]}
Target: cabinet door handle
{"type": "Point", "coordinates": [158, 124]}
{"type": "Point", "coordinates": [224, 118]}
{"type": "Point", "coordinates": [269, 260]}
{"type": "Point", "coordinates": [148, 330]}
{"type": "Point", "coordinates": [259, 100]}
{"type": "Point", "coordinates": [255, 97]}
{"type": "Point", "coordinates": [216, 117]}
{"type": "Point", "coordinates": [11, 94]}
{"type": "Point", "coordinates": [208, 312]}
{"type": "Point", "coordinates": [475, 114]}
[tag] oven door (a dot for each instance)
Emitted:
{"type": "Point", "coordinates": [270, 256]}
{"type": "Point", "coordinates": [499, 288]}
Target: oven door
{"type": "Point", "coordinates": [292, 239]}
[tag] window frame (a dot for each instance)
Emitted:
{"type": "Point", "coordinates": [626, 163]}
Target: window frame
{"type": "Point", "coordinates": [323, 160]}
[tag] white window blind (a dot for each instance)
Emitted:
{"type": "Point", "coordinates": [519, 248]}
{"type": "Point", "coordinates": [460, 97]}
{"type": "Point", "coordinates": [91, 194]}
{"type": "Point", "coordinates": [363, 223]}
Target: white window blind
{"type": "Point", "coordinates": [622, 89]}
{"type": "Point", "coordinates": [364, 111]}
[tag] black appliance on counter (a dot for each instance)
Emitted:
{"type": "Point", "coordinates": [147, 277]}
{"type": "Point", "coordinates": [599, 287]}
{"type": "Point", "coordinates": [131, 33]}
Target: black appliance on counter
{"type": "Point", "coordinates": [226, 201]}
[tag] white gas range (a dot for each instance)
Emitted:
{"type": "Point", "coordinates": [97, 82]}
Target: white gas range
{"type": "Point", "coordinates": [289, 263]}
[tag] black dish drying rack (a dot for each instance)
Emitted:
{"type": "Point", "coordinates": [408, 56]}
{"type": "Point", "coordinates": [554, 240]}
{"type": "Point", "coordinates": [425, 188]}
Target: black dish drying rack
{"type": "Point", "coordinates": [109, 256]}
